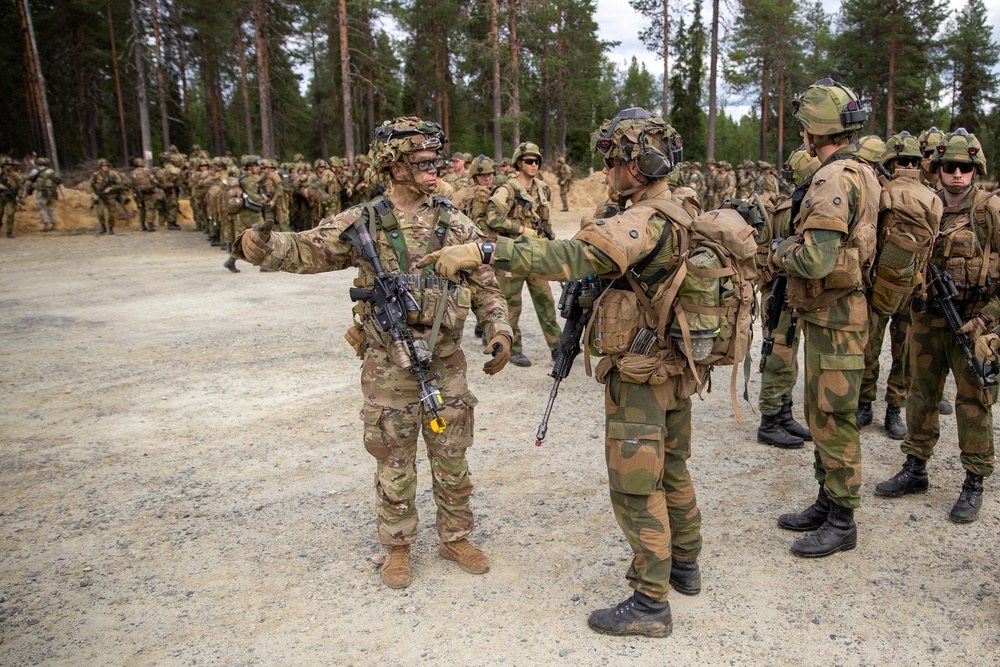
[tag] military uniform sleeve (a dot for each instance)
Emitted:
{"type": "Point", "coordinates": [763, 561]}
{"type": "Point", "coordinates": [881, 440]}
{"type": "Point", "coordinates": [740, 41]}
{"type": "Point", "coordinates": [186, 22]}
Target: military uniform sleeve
{"type": "Point", "coordinates": [498, 209]}
{"type": "Point", "coordinates": [488, 303]}
{"type": "Point", "coordinates": [313, 251]}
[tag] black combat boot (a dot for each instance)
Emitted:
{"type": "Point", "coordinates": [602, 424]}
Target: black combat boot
{"type": "Point", "coordinates": [104, 230]}
{"type": "Point", "coordinates": [685, 578]}
{"type": "Point", "coordinates": [863, 415]}
{"type": "Point", "coordinates": [231, 265]}
{"type": "Point", "coordinates": [214, 241]}
{"type": "Point", "coordinates": [111, 230]}
{"type": "Point", "coordinates": [770, 433]}
{"type": "Point", "coordinates": [638, 615]}
{"type": "Point", "coordinates": [966, 509]}
{"type": "Point", "coordinates": [911, 479]}
{"type": "Point", "coordinates": [894, 425]}
{"type": "Point", "coordinates": [788, 423]}
{"type": "Point", "coordinates": [174, 226]}
{"type": "Point", "coordinates": [839, 533]}
{"type": "Point", "coordinates": [944, 407]}
{"type": "Point", "coordinates": [810, 518]}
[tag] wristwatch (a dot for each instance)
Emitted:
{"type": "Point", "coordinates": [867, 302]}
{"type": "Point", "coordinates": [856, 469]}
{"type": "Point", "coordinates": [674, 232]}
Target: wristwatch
{"type": "Point", "coordinates": [487, 250]}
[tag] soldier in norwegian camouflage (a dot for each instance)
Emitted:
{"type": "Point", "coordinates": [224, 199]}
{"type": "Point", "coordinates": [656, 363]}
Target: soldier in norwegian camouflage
{"type": "Point", "coordinates": [405, 226]}
{"type": "Point", "coordinates": [108, 188]}
{"type": "Point", "coordinates": [11, 193]}
{"type": "Point", "coordinates": [647, 394]}
{"type": "Point", "coordinates": [43, 182]}
{"type": "Point", "coordinates": [564, 176]}
{"type": "Point", "coordinates": [968, 249]}
{"type": "Point", "coordinates": [827, 261]}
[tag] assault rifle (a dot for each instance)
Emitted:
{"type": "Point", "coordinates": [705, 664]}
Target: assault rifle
{"type": "Point", "coordinates": [391, 300]}
{"type": "Point", "coordinates": [775, 304]}
{"type": "Point", "coordinates": [945, 291]}
{"type": "Point", "coordinates": [575, 306]}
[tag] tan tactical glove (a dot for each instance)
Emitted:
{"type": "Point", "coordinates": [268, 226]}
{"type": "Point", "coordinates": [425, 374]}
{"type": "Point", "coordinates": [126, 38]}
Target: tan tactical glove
{"type": "Point", "coordinates": [987, 348]}
{"type": "Point", "coordinates": [530, 233]}
{"type": "Point", "coordinates": [499, 347]}
{"type": "Point", "coordinates": [254, 242]}
{"type": "Point", "coordinates": [974, 327]}
{"type": "Point", "coordinates": [450, 262]}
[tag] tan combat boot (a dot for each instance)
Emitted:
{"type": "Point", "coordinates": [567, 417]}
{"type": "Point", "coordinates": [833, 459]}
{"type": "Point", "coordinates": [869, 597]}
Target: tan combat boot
{"type": "Point", "coordinates": [396, 568]}
{"type": "Point", "coordinates": [468, 557]}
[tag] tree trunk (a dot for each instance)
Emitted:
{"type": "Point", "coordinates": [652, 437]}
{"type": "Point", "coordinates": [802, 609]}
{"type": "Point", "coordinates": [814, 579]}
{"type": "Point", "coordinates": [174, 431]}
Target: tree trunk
{"type": "Point", "coordinates": [161, 81]}
{"type": "Point", "coordinates": [561, 122]}
{"type": "Point", "coordinates": [497, 109]}
{"type": "Point", "coordinates": [345, 82]}
{"type": "Point", "coordinates": [140, 80]}
{"type": "Point", "coordinates": [666, 58]}
{"type": "Point", "coordinates": [118, 88]}
{"type": "Point", "coordinates": [890, 103]}
{"type": "Point", "coordinates": [546, 100]}
{"type": "Point", "coordinates": [765, 106]}
{"type": "Point", "coordinates": [38, 82]}
{"type": "Point", "coordinates": [712, 81]}
{"type": "Point", "coordinates": [435, 40]}
{"type": "Point", "coordinates": [369, 76]}
{"type": "Point", "coordinates": [445, 81]}
{"type": "Point", "coordinates": [182, 51]}
{"type": "Point", "coordinates": [515, 77]}
{"type": "Point", "coordinates": [245, 88]}
{"type": "Point", "coordinates": [780, 68]}
{"type": "Point", "coordinates": [263, 79]}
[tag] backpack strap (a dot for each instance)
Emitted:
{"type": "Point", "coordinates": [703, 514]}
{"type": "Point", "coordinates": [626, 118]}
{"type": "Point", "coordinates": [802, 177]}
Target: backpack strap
{"type": "Point", "coordinates": [379, 213]}
{"type": "Point", "coordinates": [443, 210]}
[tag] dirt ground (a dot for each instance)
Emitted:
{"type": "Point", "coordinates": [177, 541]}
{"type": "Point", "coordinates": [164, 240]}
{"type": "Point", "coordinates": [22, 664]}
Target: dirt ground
{"type": "Point", "coordinates": [183, 483]}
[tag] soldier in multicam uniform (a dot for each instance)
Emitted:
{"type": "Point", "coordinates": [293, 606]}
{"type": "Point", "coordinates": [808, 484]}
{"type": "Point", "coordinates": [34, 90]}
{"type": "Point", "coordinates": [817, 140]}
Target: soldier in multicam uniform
{"type": "Point", "coordinates": [406, 225]}
{"type": "Point", "coordinates": [272, 186]}
{"type": "Point", "coordinates": [521, 206]}
{"type": "Point", "coordinates": [725, 183]}
{"type": "Point", "coordinates": [44, 183]}
{"type": "Point", "coordinates": [168, 179]}
{"type": "Point", "coordinates": [697, 182]}
{"type": "Point", "coordinates": [143, 189]}
{"type": "Point", "coordinates": [198, 184]}
{"type": "Point", "coordinates": [744, 180]}
{"type": "Point", "coordinates": [10, 193]}
{"type": "Point", "coordinates": [647, 396]}
{"type": "Point", "coordinates": [769, 181]}
{"type": "Point", "coordinates": [904, 195]}
{"type": "Point", "coordinates": [564, 176]}
{"type": "Point", "coordinates": [777, 424]}
{"type": "Point", "coordinates": [827, 261]}
{"type": "Point", "coordinates": [107, 186]}
{"type": "Point", "coordinates": [473, 199]}
{"type": "Point", "coordinates": [710, 201]}
{"type": "Point", "coordinates": [968, 247]}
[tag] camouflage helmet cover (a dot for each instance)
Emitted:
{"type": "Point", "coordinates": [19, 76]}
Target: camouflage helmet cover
{"type": "Point", "coordinates": [869, 148]}
{"type": "Point", "coordinates": [43, 162]}
{"type": "Point", "coordinates": [524, 149]}
{"type": "Point", "coordinates": [138, 162]}
{"type": "Point", "coordinates": [960, 146]}
{"type": "Point", "coordinates": [320, 162]}
{"type": "Point", "coordinates": [560, 160]}
{"type": "Point", "coordinates": [403, 136]}
{"type": "Point", "coordinates": [6, 160]}
{"type": "Point", "coordinates": [828, 108]}
{"type": "Point", "coordinates": [799, 166]}
{"type": "Point", "coordinates": [900, 145]}
{"type": "Point", "coordinates": [634, 134]}
{"type": "Point", "coordinates": [481, 165]}
{"type": "Point", "coordinates": [929, 139]}
{"type": "Point", "coordinates": [103, 163]}
{"type": "Point", "coordinates": [249, 160]}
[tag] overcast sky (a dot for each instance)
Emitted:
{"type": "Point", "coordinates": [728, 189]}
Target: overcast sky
{"type": "Point", "coordinates": [617, 21]}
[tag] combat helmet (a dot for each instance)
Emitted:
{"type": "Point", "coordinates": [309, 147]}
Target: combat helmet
{"type": "Point", "coordinates": [403, 136]}
{"type": "Point", "coordinates": [960, 146]}
{"type": "Point", "coordinates": [250, 160]}
{"type": "Point", "coordinates": [929, 139]}
{"type": "Point", "coordinates": [320, 162]}
{"type": "Point", "coordinates": [634, 134]}
{"type": "Point", "coordinates": [138, 162]}
{"type": "Point", "coordinates": [869, 148]}
{"type": "Point", "coordinates": [43, 162]}
{"type": "Point", "coordinates": [523, 150]}
{"type": "Point", "coordinates": [828, 108]}
{"type": "Point", "coordinates": [901, 145]}
{"type": "Point", "coordinates": [481, 165]}
{"type": "Point", "coordinates": [103, 163]}
{"type": "Point", "coordinates": [6, 160]}
{"type": "Point", "coordinates": [799, 166]}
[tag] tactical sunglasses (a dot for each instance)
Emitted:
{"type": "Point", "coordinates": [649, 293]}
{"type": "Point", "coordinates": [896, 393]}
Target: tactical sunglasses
{"type": "Point", "coordinates": [952, 167]}
{"type": "Point", "coordinates": [529, 160]}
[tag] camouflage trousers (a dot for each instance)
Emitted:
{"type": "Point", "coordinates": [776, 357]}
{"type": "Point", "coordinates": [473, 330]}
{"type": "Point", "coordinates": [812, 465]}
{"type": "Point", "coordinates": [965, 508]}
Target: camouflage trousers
{"type": "Point", "coordinates": [834, 364]}
{"type": "Point", "coordinates": [933, 354]}
{"type": "Point", "coordinates": [8, 207]}
{"type": "Point", "coordinates": [564, 189]}
{"type": "Point", "coordinates": [146, 207]}
{"type": "Point", "coordinates": [167, 208]}
{"type": "Point", "coordinates": [647, 445]}
{"type": "Point", "coordinates": [247, 219]}
{"type": "Point", "coordinates": [898, 382]}
{"type": "Point", "coordinates": [199, 209]}
{"type": "Point", "coordinates": [229, 228]}
{"type": "Point", "coordinates": [46, 210]}
{"type": "Point", "coordinates": [108, 211]}
{"type": "Point", "coordinates": [545, 306]}
{"type": "Point", "coordinates": [393, 416]}
{"type": "Point", "coordinates": [781, 370]}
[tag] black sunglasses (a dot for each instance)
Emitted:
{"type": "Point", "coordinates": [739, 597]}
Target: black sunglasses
{"type": "Point", "coordinates": [529, 160]}
{"type": "Point", "coordinates": [952, 167]}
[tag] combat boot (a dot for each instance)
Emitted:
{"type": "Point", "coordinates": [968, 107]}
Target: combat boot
{"type": "Point", "coordinates": [10, 235]}
{"type": "Point", "coordinates": [685, 578]}
{"type": "Point", "coordinates": [810, 518]}
{"type": "Point", "coordinates": [638, 615]}
{"type": "Point", "coordinates": [174, 226]}
{"type": "Point", "coordinates": [111, 230]}
{"type": "Point", "coordinates": [518, 359]}
{"type": "Point", "coordinates": [944, 407]}
{"type": "Point", "coordinates": [104, 230]}
{"type": "Point", "coordinates": [791, 426]}
{"type": "Point", "coordinates": [894, 425]}
{"type": "Point", "coordinates": [396, 571]}
{"type": "Point", "coordinates": [838, 533]}
{"type": "Point", "coordinates": [231, 265]}
{"type": "Point", "coordinates": [770, 433]}
{"type": "Point", "coordinates": [966, 509]}
{"type": "Point", "coordinates": [863, 415]}
{"type": "Point", "coordinates": [912, 478]}
{"type": "Point", "coordinates": [468, 557]}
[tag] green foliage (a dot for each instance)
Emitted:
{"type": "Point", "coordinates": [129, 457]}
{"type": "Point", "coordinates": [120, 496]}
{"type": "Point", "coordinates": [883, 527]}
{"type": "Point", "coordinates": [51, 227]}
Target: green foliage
{"type": "Point", "coordinates": [971, 58]}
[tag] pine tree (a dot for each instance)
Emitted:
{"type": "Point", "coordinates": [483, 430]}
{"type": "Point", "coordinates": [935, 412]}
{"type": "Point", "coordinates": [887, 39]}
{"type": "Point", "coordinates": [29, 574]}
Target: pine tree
{"type": "Point", "coordinates": [972, 55]}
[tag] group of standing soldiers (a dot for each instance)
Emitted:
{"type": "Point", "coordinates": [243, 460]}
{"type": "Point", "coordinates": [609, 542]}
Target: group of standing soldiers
{"type": "Point", "coordinates": [41, 181]}
{"type": "Point", "coordinates": [720, 182]}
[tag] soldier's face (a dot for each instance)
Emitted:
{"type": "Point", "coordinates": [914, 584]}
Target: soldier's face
{"type": "Point", "coordinates": [954, 179]}
{"type": "Point", "coordinates": [484, 179]}
{"type": "Point", "coordinates": [415, 174]}
{"type": "Point", "coordinates": [529, 166]}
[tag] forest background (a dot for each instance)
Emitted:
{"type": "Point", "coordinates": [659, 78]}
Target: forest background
{"type": "Point", "coordinates": [116, 78]}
